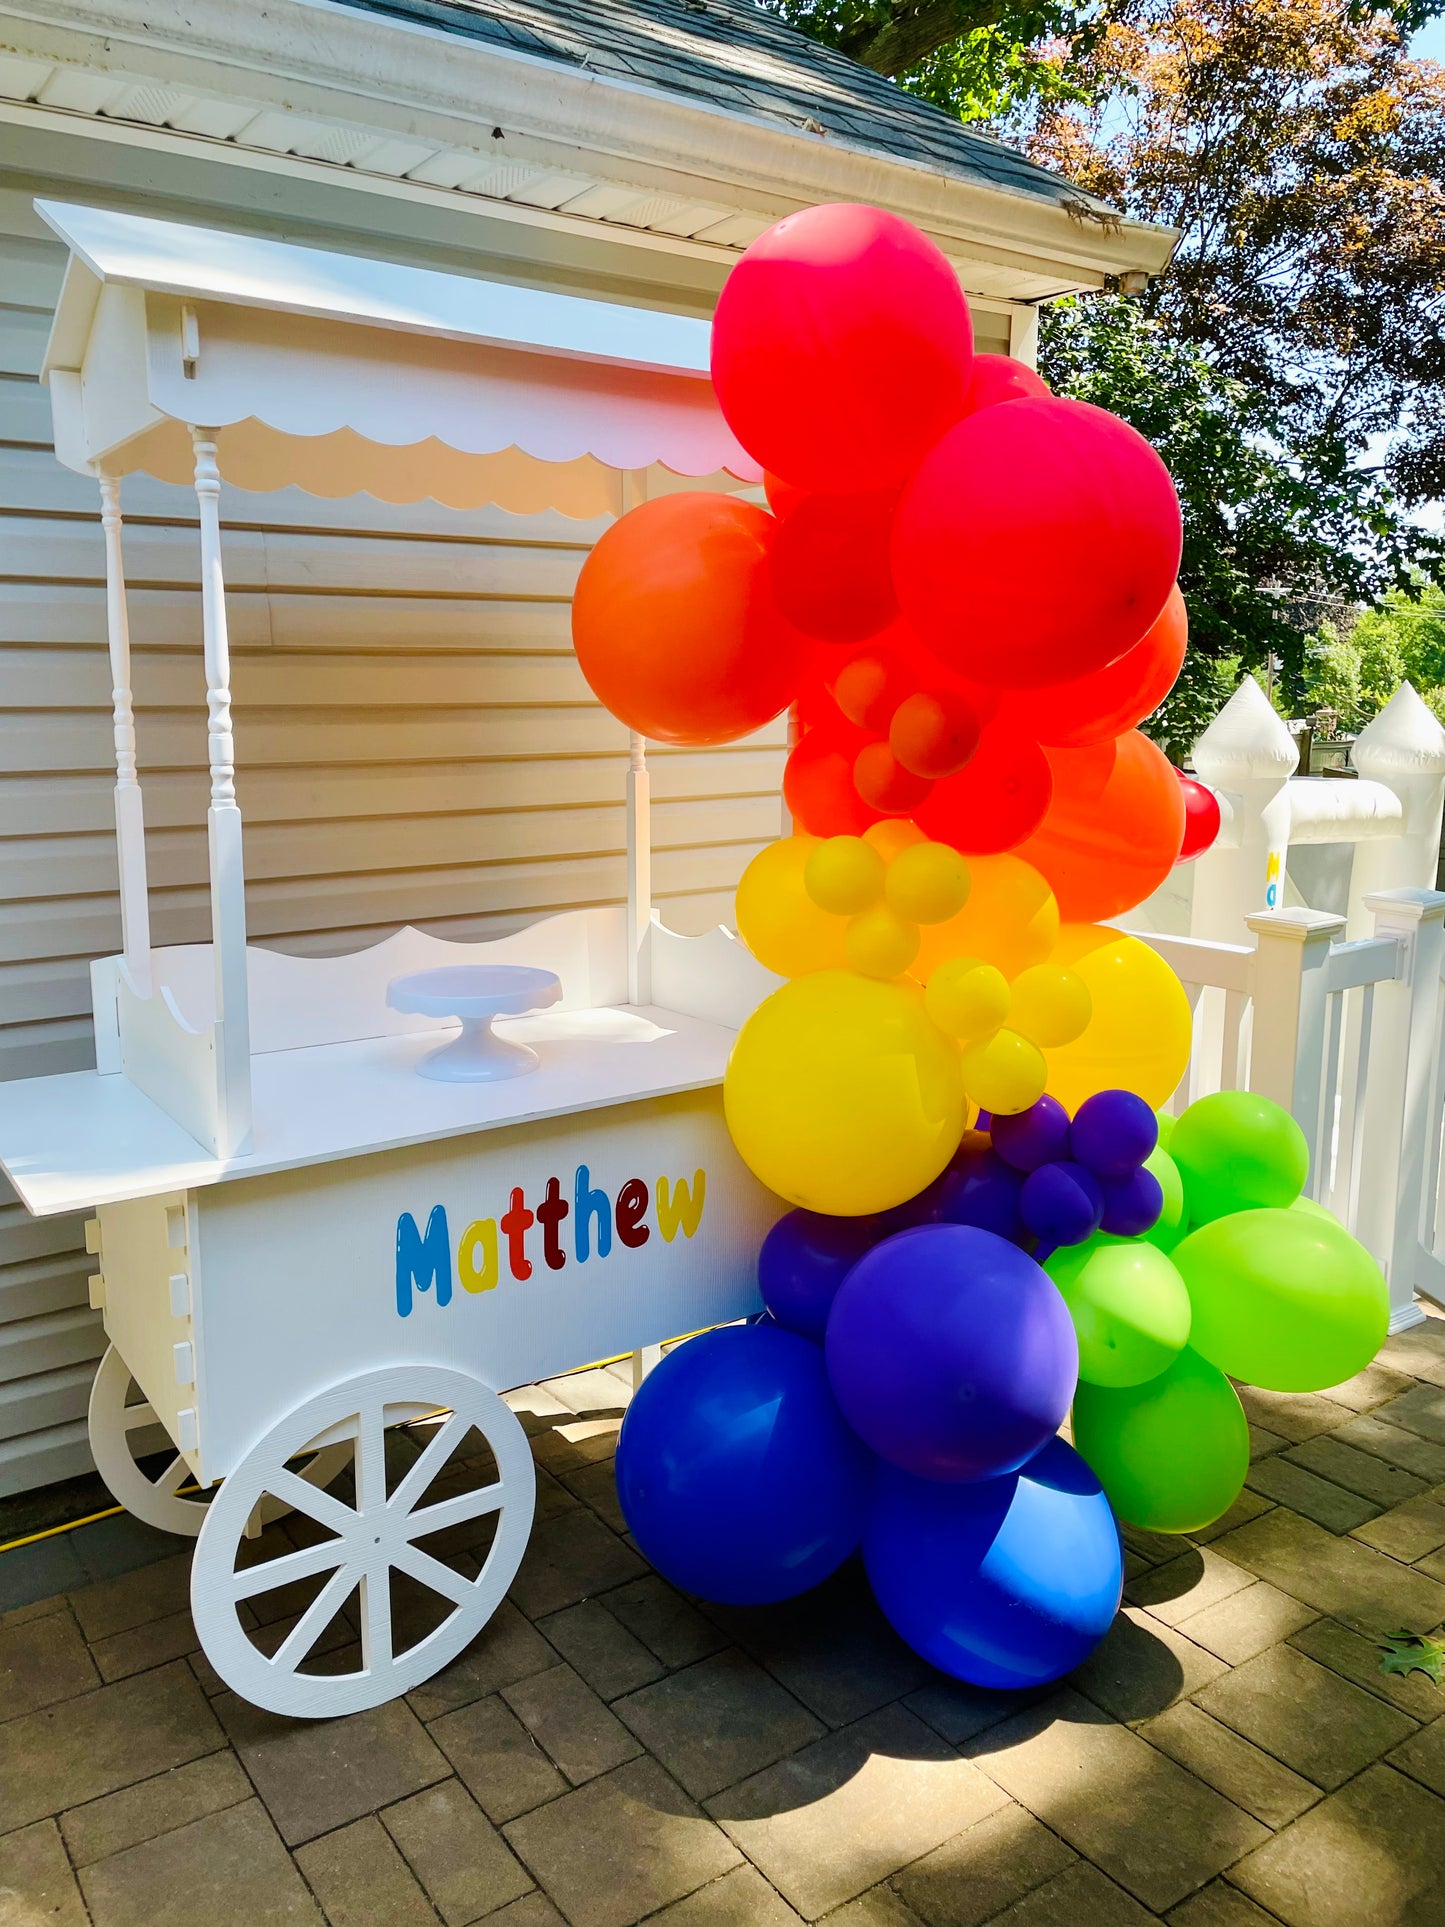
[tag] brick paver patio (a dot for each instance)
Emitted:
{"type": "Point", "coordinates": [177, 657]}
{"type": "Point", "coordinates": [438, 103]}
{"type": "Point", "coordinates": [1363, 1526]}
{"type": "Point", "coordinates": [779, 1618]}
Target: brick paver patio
{"type": "Point", "coordinates": [609, 1752]}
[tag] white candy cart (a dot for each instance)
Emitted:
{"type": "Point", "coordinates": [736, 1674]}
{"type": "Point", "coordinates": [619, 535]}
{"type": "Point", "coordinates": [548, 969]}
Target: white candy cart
{"type": "Point", "coordinates": [301, 1242]}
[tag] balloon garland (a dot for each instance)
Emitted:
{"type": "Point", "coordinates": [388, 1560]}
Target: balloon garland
{"type": "Point", "coordinates": [965, 588]}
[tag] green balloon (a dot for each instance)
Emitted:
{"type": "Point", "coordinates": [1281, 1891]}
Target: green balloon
{"type": "Point", "coordinates": [1307, 1208]}
{"type": "Point", "coordinates": [1236, 1151]}
{"type": "Point", "coordinates": [1129, 1306]}
{"type": "Point", "coordinates": [1286, 1300]}
{"type": "Point", "coordinates": [1167, 1121]}
{"type": "Point", "coordinates": [1172, 1453]}
{"type": "Point", "coordinates": [1172, 1223]}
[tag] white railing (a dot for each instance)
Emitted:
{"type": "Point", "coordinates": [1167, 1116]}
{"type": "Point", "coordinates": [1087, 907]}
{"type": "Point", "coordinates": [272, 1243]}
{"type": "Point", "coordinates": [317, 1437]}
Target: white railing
{"type": "Point", "coordinates": [1349, 1035]}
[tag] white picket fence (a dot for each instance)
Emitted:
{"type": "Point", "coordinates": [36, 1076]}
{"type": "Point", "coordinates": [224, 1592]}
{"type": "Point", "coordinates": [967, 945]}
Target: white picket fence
{"type": "Point", "coordinates": [1350, 1037]}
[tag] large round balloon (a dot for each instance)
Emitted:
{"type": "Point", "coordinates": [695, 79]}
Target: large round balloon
{"type": "Point", "coordinates": [1140, 1033]}
{"type": "Point", "coordinates": [830, 565]}
{"type": "Point", "coordinates": [1011, 920]}
{"type": "Point", "coordinates": [735, 1472]}
{"type": "Point", "coordinates": [999, 378]}
{"type": "Point", "coordinates": [1007, 1583]}
{"type": "Point", "coordinates": [675, 623]}
{"type": "Point", "coordinates": [950, 1353]}
{"type": "Point", "coordinates": [999, 797]}
{"type": "Point", "coordinates": [1236, 1150]}
{"type": "Point", "coordinates": [1171, 1453]}
{"type": "Point", "coordinates": [818, 784]}
{"type": "Point", "coordinates": [1099, 707]}
{"type": "Point", "coordinates": [841, 344]}
{"type": "Point", "coordinates": [1113, 830]}
{"type": "Point", "coordinates": [842, 1096]}
{"type": "Point", "coordinates": [1283, 1300]}
{"type": "Point", "coordinates": [777, 919]}
{"type": "Point", "coordinates": [1129, 1306]}
{"type": "Point", "coordinates": [1036, 542]}
{"type": "Point", "coordinates": [804, 1259]}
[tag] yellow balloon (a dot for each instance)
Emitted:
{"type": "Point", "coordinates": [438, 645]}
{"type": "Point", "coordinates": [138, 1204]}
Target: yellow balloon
{"type": "Point", "coordinates": [1004, 1073]}
{"type": "Point", "coordinates": [778, 920]}
{"type": "Point", "coordinates": [841, 1096]}
{"type": "Point", "coordinates": [880, 943]}
{"type": "Point", "coordinates": [1051, 1006]}
{"type": "Point", "coordinates": [893, 834]}
{"type": "Point", "coordinates": [927, 883]}
{"type": "Point", "coordinates": [967, 998]}
{"type": "Point", "coordinates": [1011, 920]}
{"type": "Point", "coordinates": [1139, 1036]}
{"type": "Point", "coordinates": [843, 875]}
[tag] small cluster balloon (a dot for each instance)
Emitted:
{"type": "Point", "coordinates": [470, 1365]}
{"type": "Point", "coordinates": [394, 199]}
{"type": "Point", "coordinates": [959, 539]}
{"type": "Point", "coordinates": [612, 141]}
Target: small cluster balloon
{"type": "Point", "coordinates": [963, 588]}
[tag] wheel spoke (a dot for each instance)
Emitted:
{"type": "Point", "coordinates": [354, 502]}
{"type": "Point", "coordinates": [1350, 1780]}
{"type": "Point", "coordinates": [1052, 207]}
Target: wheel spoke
{"type": "Point", "coordinates": [376, 1620]}
{"type": "Point", "coordinates": [370, 1459]}
{"type": "Point", "coordinates": [433, 1574]}
{"type": "Point", "coordinates": [434, 1454]}
{"type": "Point", "coordinates": [313, 1622]}
{"type": "Point", "coordinates": [173, 1476]}
{"type": "Point", "coordinates": [313, 1500]}
{"type": "Point", "coordinates": [132, 1416]}
{"type": "Point", "coordinates": [271, 1573]}
{"type": "Point", "coordinates": [456, 1511]}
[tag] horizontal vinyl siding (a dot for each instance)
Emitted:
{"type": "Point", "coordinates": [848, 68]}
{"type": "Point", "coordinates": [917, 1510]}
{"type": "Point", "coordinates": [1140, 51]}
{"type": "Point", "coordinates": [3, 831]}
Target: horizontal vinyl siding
{"type": "Point", "coordinates": [414, 744]}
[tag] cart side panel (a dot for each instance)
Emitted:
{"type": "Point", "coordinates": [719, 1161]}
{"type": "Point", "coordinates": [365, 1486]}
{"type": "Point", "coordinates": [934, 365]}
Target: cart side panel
{"type": "Point", "coordinates": [148, 1289]}
{"type": "Point", "coordinates": [513, 1254]}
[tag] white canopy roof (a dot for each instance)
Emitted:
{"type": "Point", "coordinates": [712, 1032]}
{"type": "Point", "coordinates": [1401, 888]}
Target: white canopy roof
{"type": "Point", "coordinates": [344, 374]}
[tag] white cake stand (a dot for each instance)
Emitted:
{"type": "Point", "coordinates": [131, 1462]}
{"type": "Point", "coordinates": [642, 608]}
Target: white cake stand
{"type": "Point", "coordinates": [476, 993]}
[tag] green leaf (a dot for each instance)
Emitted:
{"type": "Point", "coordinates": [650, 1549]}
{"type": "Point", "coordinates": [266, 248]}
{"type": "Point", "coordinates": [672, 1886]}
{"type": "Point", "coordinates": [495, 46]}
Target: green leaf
{"type": "Point", "coordinates": [1413, 1653]}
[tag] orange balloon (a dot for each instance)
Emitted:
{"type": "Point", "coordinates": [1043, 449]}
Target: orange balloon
{"type": "Point", "coordinates": [1092, 709]}
{"type": "Point", "coordinates": [818, 782]}
{"type": "Point", "coordinates": [675, 625]}
{"type": "Point", "coordinates": [1113, 829]}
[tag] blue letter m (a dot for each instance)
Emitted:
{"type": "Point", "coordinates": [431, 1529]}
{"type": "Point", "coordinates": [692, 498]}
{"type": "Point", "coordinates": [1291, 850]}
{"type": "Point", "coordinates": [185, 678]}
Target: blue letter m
{"type": "Point", "coordinates": [422, 1262]}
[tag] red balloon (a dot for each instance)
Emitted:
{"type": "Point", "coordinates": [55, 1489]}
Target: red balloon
{"type": "Point", "coordinates": [783, 498]}
{"type": "Point", "coordinates": [1114, 827]}
{"type": "Point", "coordinates": [1097, 708]}
{"type": "Point", "coordinates": [830, 565]}
{"type": "Point", "coordinates": [1202, 819]}
{"type": "Point", "coordinates": [999, 378]}
{"type": "Point", "coordinates": [934, 733]}
{"type": "Point", "coordinates": [869, 688]}
{"type": "Point", "coordinates": [1036, 543]}
{"type": "Point", "coordinates": [818, 782]}
{"type": "Point", "coordinates": [994, 803]}
{"type": "Point", "coordinates": [675, 624]}
{"type": "Point", "coordinates": [884, 784]}
{"type": "Point", "coordinates": [841, 343]}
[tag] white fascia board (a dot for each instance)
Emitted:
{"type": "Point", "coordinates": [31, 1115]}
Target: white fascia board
{"type": "Point", "coordinates": [462, 87]}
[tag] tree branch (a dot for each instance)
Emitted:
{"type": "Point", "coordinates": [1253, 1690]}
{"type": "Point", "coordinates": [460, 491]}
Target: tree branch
{"type": "Point", "coordinates": [915, 31]}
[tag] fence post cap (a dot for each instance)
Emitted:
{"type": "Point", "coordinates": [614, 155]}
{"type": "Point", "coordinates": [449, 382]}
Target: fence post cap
{"type": "Point", "coordinates": [1407, 905]}
{"type": "Point", "coordinates": [1405, 739]}
{"type": "Point", "coordinates": [1246, 740]}
{"type": "Point", "coordinates": [1298, 925]}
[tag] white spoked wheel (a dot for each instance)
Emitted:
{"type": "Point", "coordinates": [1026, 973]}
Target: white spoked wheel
{"type": "Point", "coordinates": [115, 1422]}
{"type": "Point", "coordinates": [368, 1542]}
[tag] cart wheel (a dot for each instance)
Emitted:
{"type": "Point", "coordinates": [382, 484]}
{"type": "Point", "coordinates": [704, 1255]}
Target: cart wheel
{"type": "Point", "coordinates": [112, 1421]}
{"type": "Point", "coordinates": [365, 1545]}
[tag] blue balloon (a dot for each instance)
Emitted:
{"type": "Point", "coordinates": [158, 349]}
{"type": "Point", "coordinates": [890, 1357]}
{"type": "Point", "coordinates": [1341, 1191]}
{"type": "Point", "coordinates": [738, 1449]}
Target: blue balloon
{"type": "Point", "coordinates": [736, 1474]}
{"type": "Point", "coordinates": [1007, 1583]}
{"type": "Point", "coordinates": [981, 1190]}
{"type": "Point", "coordinates": [1039, 1135]}
{"type": "Point", "coordinates": [804, 1259]}
{"type": "Point", "coordinates": [1113, 1132]}
{"type": "Point", "coordinates": [951, 1353]}
{"type": "Point", "coordinates": [1132, 1205]}
{"type": "Point", "coordinates": [1062, 1204]}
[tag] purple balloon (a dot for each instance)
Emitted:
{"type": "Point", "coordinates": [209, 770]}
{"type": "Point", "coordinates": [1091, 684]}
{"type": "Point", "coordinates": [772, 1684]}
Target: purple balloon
{"type": "Point", "coordinates": [1112, 1133]}
{"type": "Point", "coordinates": [804, 1259]}
{"type": "Point", "coordinates": [951, 1353]}
{"type": "Point", "coordinates": [1039, 1135]}
{"type": "Point", "coordinates": [982, 1191]}
{"type": "Point", "coordinates": [1061, 1204]}
{"type": "Point", "coordinates": [1132, 1205]}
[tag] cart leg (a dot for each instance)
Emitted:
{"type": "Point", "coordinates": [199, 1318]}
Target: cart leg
{"type": "Point", "coordinates": [643, 1361]}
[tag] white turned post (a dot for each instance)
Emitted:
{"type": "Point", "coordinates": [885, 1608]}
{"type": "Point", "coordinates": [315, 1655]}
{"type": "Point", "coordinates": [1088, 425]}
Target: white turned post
{"type": "Point", "coordinates": [130, 846]}
{"type": "Point", "coordinates": [1400, 1154]}
{"type": "Point", "coordinates": [1247, 754]}
{"type": "Point", "coordinates": [1287, 1045]}
{"type": "Point", "coordinates": [1403, 748]}
{"type": "Point", "coordinates": [795, 730]}
{"type": "Point", "coordinates": [223, 823]}
{"type": "Point", "coordinates": [639, 872]}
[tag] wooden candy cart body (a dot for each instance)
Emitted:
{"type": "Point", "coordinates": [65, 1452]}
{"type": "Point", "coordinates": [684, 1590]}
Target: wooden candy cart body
{"type": "Point", "coordinates": [301, 1242]}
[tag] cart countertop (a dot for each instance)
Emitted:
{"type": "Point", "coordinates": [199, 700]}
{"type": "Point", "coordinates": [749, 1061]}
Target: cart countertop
{"type": "Point", "coordinates": [72, 1142]}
